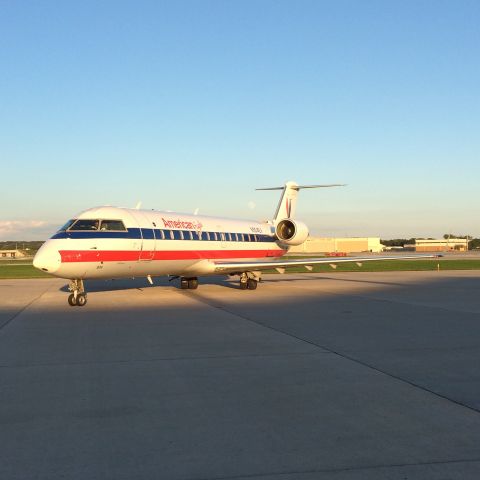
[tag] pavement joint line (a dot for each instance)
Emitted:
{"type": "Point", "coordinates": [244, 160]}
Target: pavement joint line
{"type": "Point", "coordinates": [162, 359]}
{"type": "Point", "coordinates": [338, 470]}
{"type": "Point", "coordinates": [309, 276]}
{"type": "Point", "coordinates": [391, 300]}
{"type": "Point", "coordinates": [415, 304]}
{"type": "Point", "coordinates": [338, 353]}
{"type": "Point", "coordinates": [416, 349]}
{"type": "Point", "coordinates": [223, 308]}
{"type": "Point", "coordinates": [10, 320]}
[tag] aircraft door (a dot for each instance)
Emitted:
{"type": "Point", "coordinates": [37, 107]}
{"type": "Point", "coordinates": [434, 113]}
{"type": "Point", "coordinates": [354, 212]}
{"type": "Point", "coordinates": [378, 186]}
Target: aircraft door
{"type": "Point", "coordinates": [148, 244]}
{"type": "Point", "coordinates": [147, 234]}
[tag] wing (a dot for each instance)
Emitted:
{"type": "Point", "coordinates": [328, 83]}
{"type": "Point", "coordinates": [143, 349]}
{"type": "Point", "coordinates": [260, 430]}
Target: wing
{"type": "Point", "coordinates": [281, 265]}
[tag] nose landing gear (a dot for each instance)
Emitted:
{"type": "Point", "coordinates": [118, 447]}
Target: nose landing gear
{"type": "Point", "coordinates": [78, 297]}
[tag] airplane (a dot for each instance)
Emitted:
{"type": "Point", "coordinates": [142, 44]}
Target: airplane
{"type": "Point", "coordinates": [113, 242]}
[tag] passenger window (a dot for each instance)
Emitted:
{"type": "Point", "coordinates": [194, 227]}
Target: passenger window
{"type": "Point", "coordinates": [181, 235]}
{"type": "Point", "coordinates": [189, 235]}
{"type": "Point", "coordinates": [229, 235]}
{"type": "Point", "coordinates": [214, 236]}
{"type": "Point", "coordinates": [162, 235]}
{"type": "Point", "coordinates": [176, 235]}
{"type": "Point", "coordinates": [115, 225]}
{"type": "Point", "coordinates": [85, 225]}
{"type": "Point", "coordinates": [207, 235]}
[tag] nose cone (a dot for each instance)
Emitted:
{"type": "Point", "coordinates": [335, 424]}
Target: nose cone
{"type": "Point", "coordinates": [47, 258]}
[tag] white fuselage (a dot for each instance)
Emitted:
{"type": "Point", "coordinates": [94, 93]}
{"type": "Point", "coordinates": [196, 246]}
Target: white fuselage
{"type": "Point", "coordinates": [154, 243]}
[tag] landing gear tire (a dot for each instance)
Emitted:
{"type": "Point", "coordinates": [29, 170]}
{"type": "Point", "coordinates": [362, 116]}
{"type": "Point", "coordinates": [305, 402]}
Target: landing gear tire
{"type": "Point", "coordinates": [81, 299]}
{"type": "Point", "coordinates": [78, 297]}
{"type": "Point", "coordinates": [248, 281]}
{"type": "Point", "coordinates": [190, 283]}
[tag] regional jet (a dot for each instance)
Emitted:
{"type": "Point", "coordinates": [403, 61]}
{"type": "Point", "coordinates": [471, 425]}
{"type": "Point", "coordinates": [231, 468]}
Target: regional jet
{"type": "Point", "coordinates": [112, 242]}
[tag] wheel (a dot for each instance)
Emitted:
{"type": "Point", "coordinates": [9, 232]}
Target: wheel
{"type": "Point", "coordinates": [72, 301]}
{"type": "Point", "coordinates": [193, 283]}
{"type": "Point", "coordinates": [81, 299]}
{"type": "Point", "coordinates": [243, 285]}
{"type": "Point", "coordinates": [183, 283]}
{"type": "Point", "coordinates": [251, 284]}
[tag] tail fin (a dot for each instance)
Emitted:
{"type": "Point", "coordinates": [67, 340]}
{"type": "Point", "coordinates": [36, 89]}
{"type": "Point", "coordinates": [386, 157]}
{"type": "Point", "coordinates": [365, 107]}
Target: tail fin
{"type": "Point", "coordinates": [288, 201]}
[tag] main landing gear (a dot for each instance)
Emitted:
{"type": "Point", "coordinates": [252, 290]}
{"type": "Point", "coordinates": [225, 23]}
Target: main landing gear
{"type": "Point", "coordinates": [78, 297]}
{"type": "Point", "coordinates": [248, 282]}
{"type": "Point", "coordinates": [189, 283]}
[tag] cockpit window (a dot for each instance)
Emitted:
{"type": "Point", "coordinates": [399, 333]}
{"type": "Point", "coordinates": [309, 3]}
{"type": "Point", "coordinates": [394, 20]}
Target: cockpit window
{"type": "Point", "coordinates": [67, 225]}
{"type": "Point", "coordinates": [116, 225]}
{"type": "Point", "coordinates": [85, 225]}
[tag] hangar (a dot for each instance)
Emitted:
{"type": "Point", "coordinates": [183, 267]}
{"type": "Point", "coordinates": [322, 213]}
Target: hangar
{"type": "Point", "coordinates": [439, 245]}
{"type": "Point", "coordinates": [11, 254]}
{"type": "Point", "coordinates": [335, 244]}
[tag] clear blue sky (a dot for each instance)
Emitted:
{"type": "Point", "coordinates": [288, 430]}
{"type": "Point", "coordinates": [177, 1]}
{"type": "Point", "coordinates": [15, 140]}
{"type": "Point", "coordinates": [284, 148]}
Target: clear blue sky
{"type": "Point", "coordinates": [193, 104]}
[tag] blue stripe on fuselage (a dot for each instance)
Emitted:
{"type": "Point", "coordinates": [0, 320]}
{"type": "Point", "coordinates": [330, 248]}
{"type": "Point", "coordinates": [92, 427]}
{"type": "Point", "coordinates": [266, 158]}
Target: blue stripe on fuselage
{"type": "Point", "coordinates": [150, 234]}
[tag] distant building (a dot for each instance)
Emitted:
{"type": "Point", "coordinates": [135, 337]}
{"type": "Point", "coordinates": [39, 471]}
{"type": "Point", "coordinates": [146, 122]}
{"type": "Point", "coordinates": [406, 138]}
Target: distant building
{"type": "Point", "coordinates": [439, 245]}
{"type": "Point", "coordinates": [346, 244]}
{"type": "Point", "coordinates": [11, 254]}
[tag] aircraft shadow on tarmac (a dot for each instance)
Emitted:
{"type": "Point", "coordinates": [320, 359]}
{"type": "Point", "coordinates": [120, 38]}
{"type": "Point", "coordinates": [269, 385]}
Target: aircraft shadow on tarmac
{"type": "Point", "coordinates": [142, 283]}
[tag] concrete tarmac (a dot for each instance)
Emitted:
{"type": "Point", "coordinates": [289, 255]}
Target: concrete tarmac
{"type": "Point", "coordinates": [312, 376]}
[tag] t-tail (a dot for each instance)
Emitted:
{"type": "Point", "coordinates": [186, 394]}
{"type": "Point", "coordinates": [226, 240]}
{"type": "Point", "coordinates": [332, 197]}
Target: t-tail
{"type": "Point", "coordinates": [291, 232]}
{"type": "Point", "coordinates": [288, 201]}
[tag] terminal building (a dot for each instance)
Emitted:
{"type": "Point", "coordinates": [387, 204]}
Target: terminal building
{"type": "Point", "coordinates": [339, 245]}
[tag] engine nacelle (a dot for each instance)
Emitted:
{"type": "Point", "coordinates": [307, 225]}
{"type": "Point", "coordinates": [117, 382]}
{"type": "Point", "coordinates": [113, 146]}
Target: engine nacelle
{"type": "Point", "coordinates": [291, 232]}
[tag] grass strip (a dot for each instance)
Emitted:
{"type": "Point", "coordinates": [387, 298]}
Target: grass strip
{"type": "Point", "coordinates": [389, 266]}
{"type": "Point", "coordinates": [21, 271]}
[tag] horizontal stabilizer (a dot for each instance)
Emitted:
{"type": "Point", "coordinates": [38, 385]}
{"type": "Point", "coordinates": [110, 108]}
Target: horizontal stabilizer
{"type": "Point", "coordinates": [299, 187]}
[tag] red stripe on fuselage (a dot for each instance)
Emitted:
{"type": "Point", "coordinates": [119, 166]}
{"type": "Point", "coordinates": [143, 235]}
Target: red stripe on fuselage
{"type": "Point", "coordinates": [69, 256]}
